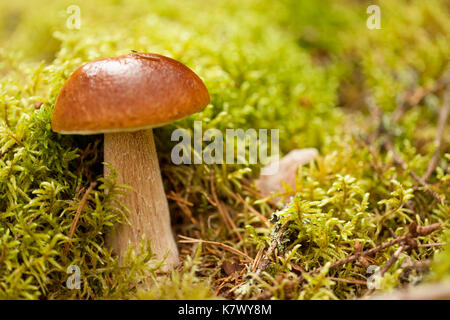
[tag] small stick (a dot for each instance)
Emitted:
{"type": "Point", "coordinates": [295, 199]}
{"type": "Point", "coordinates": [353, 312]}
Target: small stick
{"type": "Point", "coordinates": [176, 197]}
{"type": "Point", "coordinates": [257, 259]}
{"type": "Point", "coordinates": [351, 281]}
{"type": "Point", "coordinates": [354, 257]}
{"type": "Point", "coordinates": [418, 94]}
{"type": "Point", "coordinates": [431, 245]}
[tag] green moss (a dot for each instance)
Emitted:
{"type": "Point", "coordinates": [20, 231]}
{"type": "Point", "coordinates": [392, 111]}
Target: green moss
{"type": "Point", "coordinates": [309, 69]}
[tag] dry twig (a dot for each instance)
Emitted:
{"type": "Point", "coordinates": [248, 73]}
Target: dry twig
{"type": "Point", "coordinates": [78, 214]}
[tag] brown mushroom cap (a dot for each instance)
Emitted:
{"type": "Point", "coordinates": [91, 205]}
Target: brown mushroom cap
{"type": "Point", "coordinates": [127, 93]}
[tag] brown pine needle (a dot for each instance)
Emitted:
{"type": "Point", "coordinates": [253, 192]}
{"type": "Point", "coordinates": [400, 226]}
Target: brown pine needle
{"type": "Point", "coordinates": [251, 209]}
{"type": "Point", "coordinates": [443, 115]}
{"type": "Point", "coordinates": [406, 242]}
{"type": "Point", "coordinates": [257, 258]}
{"type": "Point", "coordinates": [78, 214]}
{"type": "Point", "coordinates": [176, 197]}
{"type": "Point", "coordinates": [229, 223]}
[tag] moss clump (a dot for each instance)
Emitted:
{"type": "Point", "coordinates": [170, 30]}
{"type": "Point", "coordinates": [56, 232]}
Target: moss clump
{"type": "Point", "coordinates": [363, 97]}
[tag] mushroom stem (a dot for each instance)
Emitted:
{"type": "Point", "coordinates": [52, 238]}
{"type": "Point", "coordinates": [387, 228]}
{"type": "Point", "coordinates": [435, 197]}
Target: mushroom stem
{"type": "Point", "coordinates": [134, 156]}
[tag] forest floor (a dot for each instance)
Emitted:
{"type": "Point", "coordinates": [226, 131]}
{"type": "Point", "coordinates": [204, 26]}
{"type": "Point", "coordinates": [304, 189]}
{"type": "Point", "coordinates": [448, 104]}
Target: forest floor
{"type": "Point", "coordinates": [368, 215]}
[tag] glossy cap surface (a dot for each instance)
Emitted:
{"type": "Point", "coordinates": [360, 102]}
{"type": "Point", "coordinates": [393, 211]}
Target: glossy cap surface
{"type": "Point", "coordinates": [127, 93]}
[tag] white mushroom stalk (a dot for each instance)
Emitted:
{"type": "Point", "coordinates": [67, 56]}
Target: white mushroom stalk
{"type": "Point", "coordinates": [135, 154]}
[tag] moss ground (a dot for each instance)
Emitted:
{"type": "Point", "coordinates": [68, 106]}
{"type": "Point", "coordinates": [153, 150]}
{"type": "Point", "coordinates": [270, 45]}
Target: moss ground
{"type": "Point", "coordinates": [369, 100]}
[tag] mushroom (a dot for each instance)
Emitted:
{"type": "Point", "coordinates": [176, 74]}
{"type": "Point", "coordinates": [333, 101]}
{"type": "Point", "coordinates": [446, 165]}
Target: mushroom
{"type": "Point", "coordinates": [124, 98]}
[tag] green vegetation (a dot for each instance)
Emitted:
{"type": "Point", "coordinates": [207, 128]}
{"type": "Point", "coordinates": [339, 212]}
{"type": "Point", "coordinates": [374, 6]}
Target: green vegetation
{"type": "Point", "coordinates": [369, 100]}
